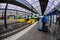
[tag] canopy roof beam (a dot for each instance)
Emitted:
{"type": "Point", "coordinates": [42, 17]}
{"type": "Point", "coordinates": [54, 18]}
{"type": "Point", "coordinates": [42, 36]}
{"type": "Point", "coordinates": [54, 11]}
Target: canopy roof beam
{"type": "Point", "coordinates": [21, 3]}
{"type": "Point", "coordinates": [43, 4]}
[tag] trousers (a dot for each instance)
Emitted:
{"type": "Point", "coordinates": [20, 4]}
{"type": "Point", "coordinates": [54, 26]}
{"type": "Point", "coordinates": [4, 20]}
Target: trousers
{"type": "Point", "coordinates": [43, 25]}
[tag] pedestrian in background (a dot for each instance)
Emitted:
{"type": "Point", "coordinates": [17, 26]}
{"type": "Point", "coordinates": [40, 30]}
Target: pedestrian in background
{"type": "Point", "coordinates": [44, 21]}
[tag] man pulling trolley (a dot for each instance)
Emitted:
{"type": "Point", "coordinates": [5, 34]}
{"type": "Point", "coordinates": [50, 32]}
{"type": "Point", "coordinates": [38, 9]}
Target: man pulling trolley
{"type": "Point", "coordinates": [44, 21]}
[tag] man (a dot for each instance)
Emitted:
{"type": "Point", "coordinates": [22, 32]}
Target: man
{"type": "Point", "coordinates": [44, 20]}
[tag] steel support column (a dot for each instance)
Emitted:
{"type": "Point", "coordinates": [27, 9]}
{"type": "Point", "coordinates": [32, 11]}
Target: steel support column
{"type": "Point", "coordinates": [50, 20]}
{"type": "Point", "coordinates": [5, 13]}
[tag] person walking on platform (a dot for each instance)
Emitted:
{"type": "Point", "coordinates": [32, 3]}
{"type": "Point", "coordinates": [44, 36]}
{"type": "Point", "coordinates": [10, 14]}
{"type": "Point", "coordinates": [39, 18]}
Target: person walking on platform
{"type": "Point", "coordinates": [44, 21]}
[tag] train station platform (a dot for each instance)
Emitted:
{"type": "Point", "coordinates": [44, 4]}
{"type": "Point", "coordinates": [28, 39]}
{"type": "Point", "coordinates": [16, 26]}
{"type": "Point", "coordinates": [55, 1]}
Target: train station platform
{"type": "Point", "coordinates": [20, 19]}
{"type": "Point", "coordinates": [31, 33]}
{"type": "Point", "coordinates": [34, 34]}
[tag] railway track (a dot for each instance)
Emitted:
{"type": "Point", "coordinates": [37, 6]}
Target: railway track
{"type": "Point", "coordinates": [9, 32]}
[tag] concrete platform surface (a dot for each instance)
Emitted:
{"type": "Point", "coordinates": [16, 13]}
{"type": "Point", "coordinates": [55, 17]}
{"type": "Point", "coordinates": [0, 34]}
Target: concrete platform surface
{"type": "Point", "coordinates": [34, 34]}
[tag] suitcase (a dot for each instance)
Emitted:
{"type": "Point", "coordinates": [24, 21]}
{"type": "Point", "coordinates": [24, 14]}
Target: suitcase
{"type": "Point", "coordinates": [45, 29]}
{"type": "Point", "coordinates": [40, 28]}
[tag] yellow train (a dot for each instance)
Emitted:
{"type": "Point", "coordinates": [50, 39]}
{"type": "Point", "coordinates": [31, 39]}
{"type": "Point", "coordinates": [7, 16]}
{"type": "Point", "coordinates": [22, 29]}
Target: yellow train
{"type": "Point", "coordinates": [31, 21]}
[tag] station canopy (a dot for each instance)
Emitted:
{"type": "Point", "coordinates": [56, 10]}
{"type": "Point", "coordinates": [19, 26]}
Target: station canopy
{"type": "Point", "coordinates": [35, 3]}
{"type": "Point", "coordinates": [13, 7]}
{"type": "Point", "coordinates": [51, 5]}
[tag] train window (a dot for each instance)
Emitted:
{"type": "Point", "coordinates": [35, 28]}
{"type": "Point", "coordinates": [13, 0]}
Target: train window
{"type": "Point", "coordinates": [11, 16]}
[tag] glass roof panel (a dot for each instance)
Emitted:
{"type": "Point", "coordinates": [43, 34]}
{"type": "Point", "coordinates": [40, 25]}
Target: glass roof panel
{"type": "Point", "coordinates": [35, 4]}
{"type": "Point", "coordinates": [51, 5]}
{"type": "Point", "coordinates": [10, 6]}
{"type": "Point", "coordinates": [24, 2]}
{"type": "Point", "coordinates": [14, 7]}
{"type": "Point", "coordinates": [51, 1]}
{"type": "Point", "coordinates": [2, 5]}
